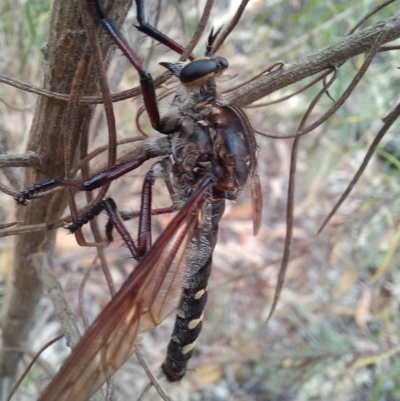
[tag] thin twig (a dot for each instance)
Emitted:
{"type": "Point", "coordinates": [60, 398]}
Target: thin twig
{"type": "Point", "coordinates": [150, 375]}
{"type": "Point", "coordinates": [28, 368]}
{"type": "Point", "coordinates": [302, 89]}
{"type": "Point", "coordinates": [290, 197]}
{"type": "Point", "coordinates": [231, 26]}
{"type": "Point", "coordinates": [371, 150]}
{"type": "Point", "coordinates": [29, 159]}
{"type": "Point", "coordinates": [44, 266]}
{"type": "Point", "coordinates": [116, 97]}
{"type": "Point", "coordinates": [157, 19]}
{"type": "Point", "coordinates": [266, 71]}
{"type": "Point", "coordinates": [370, 14]}
{"type": "Point", "coordinates": [199, 30]}
{"type": "Point", "coordinates": [80, 293]}
{"type": "Point", "coordinates": [380, 39]}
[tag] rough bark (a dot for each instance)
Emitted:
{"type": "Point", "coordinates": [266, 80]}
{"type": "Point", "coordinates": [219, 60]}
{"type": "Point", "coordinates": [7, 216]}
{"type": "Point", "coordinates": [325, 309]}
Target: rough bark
{"type": "Point", "coordinates": [65, 46]}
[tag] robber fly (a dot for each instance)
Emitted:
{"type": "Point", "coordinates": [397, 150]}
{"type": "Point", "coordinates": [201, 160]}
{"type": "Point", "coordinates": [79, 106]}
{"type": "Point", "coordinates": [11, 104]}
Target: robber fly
{"type": "Point", "coordinates": [206, 156]}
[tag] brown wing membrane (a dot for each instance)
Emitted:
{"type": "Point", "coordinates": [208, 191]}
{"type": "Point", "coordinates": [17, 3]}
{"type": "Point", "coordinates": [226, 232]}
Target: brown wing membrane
{"type": "Point", "coordinates": [256, 201]}
{"type": "Point", "coordinates": [150, 293]}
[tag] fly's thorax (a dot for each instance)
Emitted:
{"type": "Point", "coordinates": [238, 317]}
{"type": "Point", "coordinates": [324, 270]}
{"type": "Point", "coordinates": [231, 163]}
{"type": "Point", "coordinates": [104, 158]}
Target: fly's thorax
{"type": "Point", "coordinates": [190, 104]}
{"type": "Point", "coordinates": [213, 141]}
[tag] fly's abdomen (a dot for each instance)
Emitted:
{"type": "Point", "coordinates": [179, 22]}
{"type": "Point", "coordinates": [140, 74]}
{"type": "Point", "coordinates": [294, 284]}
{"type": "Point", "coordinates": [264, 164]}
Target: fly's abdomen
{"type": "Point", "coordinates": [188, 325]}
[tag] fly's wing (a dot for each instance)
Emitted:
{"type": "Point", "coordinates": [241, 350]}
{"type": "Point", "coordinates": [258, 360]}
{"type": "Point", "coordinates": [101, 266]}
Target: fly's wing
{"type": "Point", "coordinates": [150, 293]}
{"type": "Point", "coordinates": [256, 201]}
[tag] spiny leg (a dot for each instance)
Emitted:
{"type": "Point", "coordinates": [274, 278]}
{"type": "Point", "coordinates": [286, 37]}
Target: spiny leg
{"type": "Point", "coordinates": [154, 33]}
{"type": "Point", "coordinates": [144, 230]}
{"type": "Point", "coordinates": [92, 183]}
{"type": "Point", "coordinates": [155, 212]}
{"type": "Point", "coordinates": [146, 80]}
{"type": "Point", "coordinates": [160, 147]}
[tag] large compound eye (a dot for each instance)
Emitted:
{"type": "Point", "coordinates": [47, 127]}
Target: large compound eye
{"type": "Point", "coordinates": [222, 63]}
{"type": "Point", "coordinates": [202, 70]}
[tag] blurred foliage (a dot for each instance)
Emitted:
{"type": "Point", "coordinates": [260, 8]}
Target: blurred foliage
{"type": "Point", "coordinates": [23, 27]}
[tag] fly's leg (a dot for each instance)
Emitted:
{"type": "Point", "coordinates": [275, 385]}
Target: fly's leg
{"type": "Point", "coordinates": [90, 184]}
{"type": "Point", "coordinates": [144, 231]}
{"type": "Point", "coordinates": [146, 80]}
{"type": "Point", "coordinates": [160, 147]}
{"type": "Point", "coordinates": [154, 33]}
{"type": "Point", "coordinates": [158, 170]}
{"type": "Point", "coordinates": [155, 212]}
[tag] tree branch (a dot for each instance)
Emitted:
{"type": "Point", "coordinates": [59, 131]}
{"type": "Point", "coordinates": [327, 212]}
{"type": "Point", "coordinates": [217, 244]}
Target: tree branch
{"type": "Point", "coordinates": [333, 55]}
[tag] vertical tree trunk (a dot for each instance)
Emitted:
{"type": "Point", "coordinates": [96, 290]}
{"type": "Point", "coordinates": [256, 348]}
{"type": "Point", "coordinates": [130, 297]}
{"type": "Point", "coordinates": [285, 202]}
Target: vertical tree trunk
{"type": "Point", "coordinates": [66, 44]}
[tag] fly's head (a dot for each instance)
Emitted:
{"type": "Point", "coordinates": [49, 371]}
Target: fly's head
{"type": "Point", "coordinates": [202, 70]}
{"type": "Point", "coordinates": [199, 71]}
{"type": "Point", "coordinates": [198, 77]}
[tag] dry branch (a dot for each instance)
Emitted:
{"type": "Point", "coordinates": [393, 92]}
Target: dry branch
{"type": "Point", "coordinates": [334, 55]}
{"type": "Point", "coordinates": [28, 159]}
